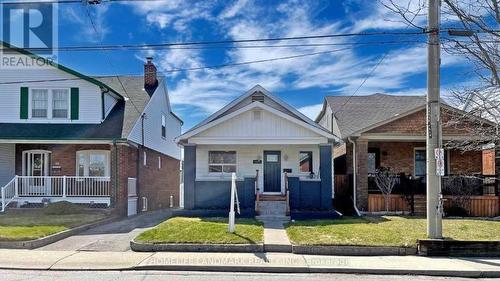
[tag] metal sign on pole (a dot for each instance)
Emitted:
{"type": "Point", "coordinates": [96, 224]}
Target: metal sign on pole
{"type": "Point", "coordinates": [433, 136]}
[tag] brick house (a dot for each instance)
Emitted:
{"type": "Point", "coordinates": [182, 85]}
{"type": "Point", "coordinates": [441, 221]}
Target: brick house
{"type": "Point", "coordinates": [389, 131]}
{"type": "Point", "coordinates": [66, 136]}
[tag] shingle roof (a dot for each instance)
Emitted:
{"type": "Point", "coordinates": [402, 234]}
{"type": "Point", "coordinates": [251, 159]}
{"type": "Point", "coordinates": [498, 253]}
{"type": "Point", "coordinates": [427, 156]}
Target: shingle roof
{"type": "Point", "coordinates": [118, 123]}
{"type": "Point", "coordinates": [359, 112]}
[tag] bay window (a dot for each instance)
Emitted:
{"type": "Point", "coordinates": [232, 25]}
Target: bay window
{"type": "Point", "coordinates": [92, 163]}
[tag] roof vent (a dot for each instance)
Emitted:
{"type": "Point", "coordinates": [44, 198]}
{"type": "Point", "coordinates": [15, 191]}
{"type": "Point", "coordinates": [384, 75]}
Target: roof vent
{"type": "Point", "coordinates": [258, 97]}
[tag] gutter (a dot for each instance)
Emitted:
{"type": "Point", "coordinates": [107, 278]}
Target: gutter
{"type": "Point", "coordinates": [354, 172]}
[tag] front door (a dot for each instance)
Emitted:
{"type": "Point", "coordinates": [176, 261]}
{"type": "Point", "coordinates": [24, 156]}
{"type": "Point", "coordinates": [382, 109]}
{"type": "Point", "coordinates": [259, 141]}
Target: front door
{"type": "Point", "coordinates": [36, 166]}
{"type": "Point", "coordinates": [272, 171]}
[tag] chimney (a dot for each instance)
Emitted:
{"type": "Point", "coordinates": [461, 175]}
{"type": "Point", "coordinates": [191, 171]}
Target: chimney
{"type": "Point", "coordinates": [150, 81]}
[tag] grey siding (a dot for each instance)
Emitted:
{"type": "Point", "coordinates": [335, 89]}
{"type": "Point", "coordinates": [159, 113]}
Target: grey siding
{"type": "Point", "coordinates": [7, 163]}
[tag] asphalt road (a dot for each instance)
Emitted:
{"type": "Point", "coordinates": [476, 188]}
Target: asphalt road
{"type": "Point", "coordinates": [17, 275]}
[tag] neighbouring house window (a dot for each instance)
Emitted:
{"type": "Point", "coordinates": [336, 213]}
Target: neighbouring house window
{"type": "Point", "coordinates": [92, 163]}
{"type": "Point", "coordinates": [50, 103]}
{"type": "Point", "coordinates": [163, 125]}
{"type": "Point", "coordinates": [159, 162]}
{"type": "Point", "coordinates": [39, 103]}
{"type": "Point", "coordinates": [144, 158]}
{"type": "Point", "coordinates": [60, 103]}
{"type": "Point", "coordinates": [420, 162]}
{"type": "Point", "coordinates": [222, 161]}
{"type": "Point", "coordinates": [305, 161]}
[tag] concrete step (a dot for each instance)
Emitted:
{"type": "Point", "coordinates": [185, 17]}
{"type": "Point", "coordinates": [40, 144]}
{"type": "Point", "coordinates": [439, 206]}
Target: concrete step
{"type": "Point", "coordinates": [272, 218]}
{"type": "Point", "coordinates": [265, 197]}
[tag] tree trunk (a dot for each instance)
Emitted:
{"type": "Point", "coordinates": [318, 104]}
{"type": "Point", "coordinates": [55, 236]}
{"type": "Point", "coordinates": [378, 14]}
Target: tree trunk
{"type": "Point", "coordinates": [386, 201]}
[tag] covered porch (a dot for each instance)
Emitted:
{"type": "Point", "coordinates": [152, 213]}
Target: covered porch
{"type": "Point", "coordinates": [38, 173]}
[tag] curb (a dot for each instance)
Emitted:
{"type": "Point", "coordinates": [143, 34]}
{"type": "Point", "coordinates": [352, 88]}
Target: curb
{"type": "Point", "coordinates": [44, 241]}
{"type": "Point", "coordinates": [185, 247]}
{"type": "Point", "coordinates": [303, 269]}
{"type": "Point", "coordinates": [354, 250]}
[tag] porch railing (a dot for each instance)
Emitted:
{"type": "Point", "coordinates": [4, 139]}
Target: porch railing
{"type": "Point", "coordinates": [8, 193]}
{"type": "Point", "coordinates": [62, 186]}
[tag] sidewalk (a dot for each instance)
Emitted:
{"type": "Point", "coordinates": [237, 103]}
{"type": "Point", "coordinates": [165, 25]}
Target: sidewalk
{"type": "Point", "coordinates": [248, 262]}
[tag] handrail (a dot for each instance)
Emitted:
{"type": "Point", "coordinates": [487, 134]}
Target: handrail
{"type": "Point", "coordinates": [287, 194]}
{"type": "Point", "coordinates": [257, 192]}
{"type": "Point", "coordinates": [8, 193]}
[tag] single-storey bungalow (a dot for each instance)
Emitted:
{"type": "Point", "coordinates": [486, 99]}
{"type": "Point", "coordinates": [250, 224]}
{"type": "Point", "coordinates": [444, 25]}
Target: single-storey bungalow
{"type": "Point", "coordinates": [276, 152]}
{"type": "Point", "coordinates": [389, 131]}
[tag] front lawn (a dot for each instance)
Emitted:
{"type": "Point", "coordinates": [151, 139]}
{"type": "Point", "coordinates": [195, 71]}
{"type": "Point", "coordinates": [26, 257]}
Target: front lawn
{"type": "Point", "coordinates": [385, 231]}
{"type": "Point", "coordinates": [204, 231]}
{"type": "Point", "coordinates": [29, 224]}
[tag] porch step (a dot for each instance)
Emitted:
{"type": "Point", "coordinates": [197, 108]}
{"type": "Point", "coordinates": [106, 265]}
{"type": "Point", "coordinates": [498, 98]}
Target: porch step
{"type": "Point", "coordinates": [266, 197]}
{"type": "Point", "coordinates": [272, 210]}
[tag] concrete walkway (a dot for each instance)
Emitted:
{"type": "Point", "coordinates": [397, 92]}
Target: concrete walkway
{"type": "Point", "coordinates": [248, 262]}
{"type": "Point", "coordinates": [275, 238]}
{"type": "Point", "coordinates": [112, 237]}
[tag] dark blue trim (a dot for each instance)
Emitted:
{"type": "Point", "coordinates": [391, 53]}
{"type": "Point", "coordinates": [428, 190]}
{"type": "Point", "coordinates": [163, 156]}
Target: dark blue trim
{"type": "Point", "coordinates": [325, 166]}
{"type": "Point", "coordinates": [189, 176]}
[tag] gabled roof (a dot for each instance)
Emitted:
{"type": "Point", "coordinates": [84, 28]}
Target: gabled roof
{"type": "Point", "coordinates": [61, 67]}
{"type": "Point", "coordinates": [231, 109]}
{"type": "Point", "coordinates": [353, 114]}
{"type": "Point", "coordinates": [257, 89]}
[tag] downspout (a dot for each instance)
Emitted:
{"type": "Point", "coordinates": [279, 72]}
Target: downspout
{"type": "Point", "coordinates": [115, 172]}
{"type": "Point", "coordinates": [354, 172]}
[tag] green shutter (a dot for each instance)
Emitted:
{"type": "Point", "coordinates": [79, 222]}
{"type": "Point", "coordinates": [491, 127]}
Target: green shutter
{"type": "Point", "coordinates": [24, 103]}
{"type": "Point", "coordinates": [75, 103]}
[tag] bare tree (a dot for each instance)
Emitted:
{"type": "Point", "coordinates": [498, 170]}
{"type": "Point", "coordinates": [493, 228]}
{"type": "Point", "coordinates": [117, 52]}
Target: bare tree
{"type": "Point", "coordinates": [481, 49]}
{"type": "Point", "coordinates": [385, 181]}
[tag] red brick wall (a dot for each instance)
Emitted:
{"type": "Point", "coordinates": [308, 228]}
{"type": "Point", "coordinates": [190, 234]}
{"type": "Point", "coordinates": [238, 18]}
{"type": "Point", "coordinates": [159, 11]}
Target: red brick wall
{"type": "Point", "coordinates": [158, 184]}
{"type": "Point", "coordinates": [63, 156]}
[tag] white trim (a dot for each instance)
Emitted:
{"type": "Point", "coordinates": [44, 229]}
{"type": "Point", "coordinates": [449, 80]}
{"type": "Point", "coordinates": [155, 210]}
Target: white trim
{"type": "Point", "coordinates": [144, 158]}
{"type": "Point", "coordinates": [251, 106]}
{"type": "Point", "coordinates": [46, 158]}
{"type": "Point", "coordinates": [222, 174]}
{"type": "Point", "coordinates": [246, 140]}
{"type": "Point", "coordinates": [159, 163]}
{"type": "Point", "coordinates": [43, 141]}
{"type": "Point", "coordinates": [87, 153]}
{"type": "Point", "coordinates": [50, 101]}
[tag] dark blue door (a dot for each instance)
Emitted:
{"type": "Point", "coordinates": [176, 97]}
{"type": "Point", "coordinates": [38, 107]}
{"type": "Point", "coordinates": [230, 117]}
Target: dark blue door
{"type": "Point", "coordinates": [272, 171]}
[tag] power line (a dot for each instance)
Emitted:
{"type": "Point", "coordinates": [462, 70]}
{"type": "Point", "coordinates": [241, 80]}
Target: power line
{"type": "Point", "coordinates": [160, 46]}
{"type": "Point", "coordinates": [90, 2]}
{"type": "Point", "coordinates": [188, 69]}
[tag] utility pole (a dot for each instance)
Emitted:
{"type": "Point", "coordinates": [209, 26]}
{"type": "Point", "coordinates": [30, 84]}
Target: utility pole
{"type": "Point", "coordinates": [433, 138]}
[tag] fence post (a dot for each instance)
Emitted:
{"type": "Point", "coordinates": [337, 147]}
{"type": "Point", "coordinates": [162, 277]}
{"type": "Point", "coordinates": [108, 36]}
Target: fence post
{"type": "Point", "coordinates": [64, 187]}
{"type": "Point", "coordinates": [16, 185]}
{"type": "Point", "coordinates": [3, 200]}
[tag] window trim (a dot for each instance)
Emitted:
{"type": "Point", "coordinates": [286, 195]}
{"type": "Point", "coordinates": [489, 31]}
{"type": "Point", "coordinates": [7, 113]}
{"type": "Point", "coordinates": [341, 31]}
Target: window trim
{"type": "Point", "coordinates": [159, 163]}
{"type": "Point", "coordinates": [87, 153]}
{"type": "Point", "coordinates": [311, 168]}
{"type": "Point", "coordinates": [144, 158]}
{"type": "Point", "coordinates": [163, 125]}
{"type": "Point", "coordinates": [446, 169]}
{"type": "Point", "coordinates": [217, 164]}
{"type": "Point", "coordinates": [50, 100]}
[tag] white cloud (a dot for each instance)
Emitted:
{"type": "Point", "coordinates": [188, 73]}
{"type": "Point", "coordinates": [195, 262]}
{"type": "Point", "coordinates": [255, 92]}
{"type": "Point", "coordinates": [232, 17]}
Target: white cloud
{"type": "Point", "coordinates": [311, 111]}
{"type": "Point", "coordinates": [233, 10]}
{"type": "Point", "coordinates": [85, 16]}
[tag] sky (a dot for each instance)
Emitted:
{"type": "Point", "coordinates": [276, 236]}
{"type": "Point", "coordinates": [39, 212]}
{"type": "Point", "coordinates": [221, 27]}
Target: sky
{"type": "Point", "coordinates": [397, 66]}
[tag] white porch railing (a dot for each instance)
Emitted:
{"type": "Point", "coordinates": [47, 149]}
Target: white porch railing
{"type": "Point", "coordinates": [60, 187]}
{"type": "Point", "coordinates": [8, 193]}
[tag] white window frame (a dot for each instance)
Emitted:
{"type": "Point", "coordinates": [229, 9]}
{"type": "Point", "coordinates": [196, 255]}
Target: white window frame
{"type": "Point", "coordinates": [448, 163]}
{"type": "Point", "coordinates": [50, 100]}
{"type": "Point", "coordinates": [159, 162]}
{"type": "Point", "coordinates": [223, 164]}
{"type": "Point", "coordinates": [144, 158]}
{"type": "Point", "coordinates": [86, 165]}
{"type": "Point", "coordinates": [312, 162]}
{"type": "Point", "coordinates": [163, 125]}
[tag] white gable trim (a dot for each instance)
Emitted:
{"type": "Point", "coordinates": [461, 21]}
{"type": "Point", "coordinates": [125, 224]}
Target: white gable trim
{"type": "Point", "coordinates": [251, 106]}
{"type": "Point", "coordinates": [254, 89]}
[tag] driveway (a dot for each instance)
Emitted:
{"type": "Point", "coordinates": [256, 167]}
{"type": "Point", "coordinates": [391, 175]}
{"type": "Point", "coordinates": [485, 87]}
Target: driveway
{"type": "Point", "coordinates": [114, 237]}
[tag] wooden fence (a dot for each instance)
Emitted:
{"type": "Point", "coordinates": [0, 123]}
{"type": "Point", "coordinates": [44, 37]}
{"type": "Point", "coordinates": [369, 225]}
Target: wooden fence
{"type": "Point", "coordinates": [480, 206]}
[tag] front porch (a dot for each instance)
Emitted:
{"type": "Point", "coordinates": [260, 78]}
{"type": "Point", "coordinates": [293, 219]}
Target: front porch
{"type": "Point", "coordinates": [34, 173]}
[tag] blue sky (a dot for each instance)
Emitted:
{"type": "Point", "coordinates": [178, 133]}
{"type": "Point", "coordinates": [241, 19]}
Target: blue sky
{"type": "Point", "coordinates": [301, 82]}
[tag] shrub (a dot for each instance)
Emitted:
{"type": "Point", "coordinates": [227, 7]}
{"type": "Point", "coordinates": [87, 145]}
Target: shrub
{"type": "Point", "coordinates": [63, 208]}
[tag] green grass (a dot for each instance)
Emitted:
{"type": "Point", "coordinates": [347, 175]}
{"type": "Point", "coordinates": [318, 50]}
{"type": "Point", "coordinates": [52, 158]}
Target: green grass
{"type": "Point", "coordinates": [21, 225]}
{"type": "Point", "coordinates": [386, 231]}
{"type": "Point", "coordinates": [204, 231]}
